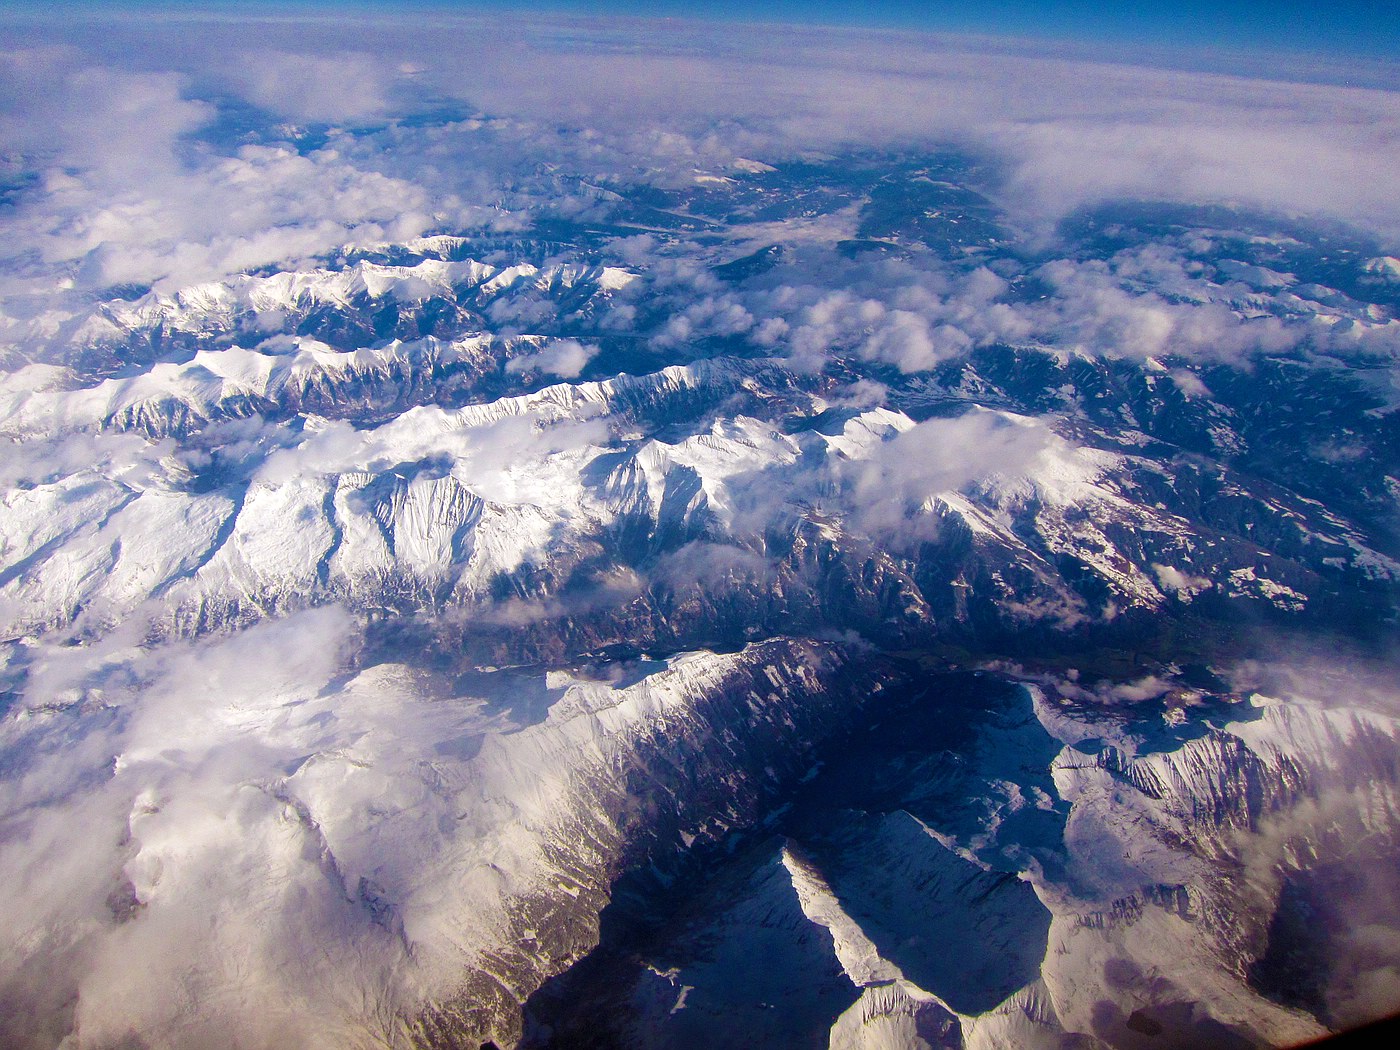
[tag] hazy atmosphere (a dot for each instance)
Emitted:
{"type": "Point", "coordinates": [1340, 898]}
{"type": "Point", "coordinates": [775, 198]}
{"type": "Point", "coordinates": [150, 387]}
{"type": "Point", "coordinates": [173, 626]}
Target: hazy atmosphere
{"type": "Point", "coordinates": [510, 517]}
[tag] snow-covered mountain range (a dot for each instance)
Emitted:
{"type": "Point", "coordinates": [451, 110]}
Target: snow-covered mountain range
{"type": "Point", "coordinates": [616, 633]}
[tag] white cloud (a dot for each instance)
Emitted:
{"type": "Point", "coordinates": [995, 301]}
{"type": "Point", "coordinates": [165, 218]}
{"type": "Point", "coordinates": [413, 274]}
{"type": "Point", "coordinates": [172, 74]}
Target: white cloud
{"type": "Point", "coordinates": [169, 806]}
{"type": "Point", "coordinates": [337, 86]}
{"type": "Point", "coordinates": [566, 358]}
{"type": "Point", "coordinates": [908, 342]}
{"type": "Point", "coordinates": [128, 195]}
{"type": "Point", "coordinates": [154, 780]}
{"type": "Point", "coordinates": [125, 194]}
{"type": "Point", "coordinates": [888, 491]}
{"type": "Point", "coordinates": [1071, 130]}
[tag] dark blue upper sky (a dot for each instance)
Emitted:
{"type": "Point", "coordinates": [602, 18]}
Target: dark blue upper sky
{"type": "Point", "coordinates": [1370, 27]}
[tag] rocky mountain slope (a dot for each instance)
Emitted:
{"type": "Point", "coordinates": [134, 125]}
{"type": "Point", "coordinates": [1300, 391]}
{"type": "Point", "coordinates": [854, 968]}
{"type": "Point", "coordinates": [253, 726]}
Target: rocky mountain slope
{"type": "Point", "coordinates": [648, 631]}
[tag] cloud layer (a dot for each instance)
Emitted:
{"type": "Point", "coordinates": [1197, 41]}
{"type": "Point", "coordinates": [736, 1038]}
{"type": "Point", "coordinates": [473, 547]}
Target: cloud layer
{"type": "Point", "coordinates": [136, 130]}
{"type": "Point", "coordinates": [248, 367]}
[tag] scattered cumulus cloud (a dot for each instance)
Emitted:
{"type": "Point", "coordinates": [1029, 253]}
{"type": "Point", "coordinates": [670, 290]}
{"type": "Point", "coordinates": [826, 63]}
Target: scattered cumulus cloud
{"type": "Point", "coordinates": [565, 358]}
{"type": "Point", "coordinates": [890, 490]}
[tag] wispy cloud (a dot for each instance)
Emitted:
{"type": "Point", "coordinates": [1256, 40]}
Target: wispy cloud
{"type": "Point", "coordinates": [229, 793]}
{"type": "Point", "coordinates": [129, 190]}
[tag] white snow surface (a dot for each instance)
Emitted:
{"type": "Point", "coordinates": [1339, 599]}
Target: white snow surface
{"type": "Point", "coordinates": [298, 856]}
{"type": "Point", "coordinates": [511, 487]}
{"type": "Point", "coordinates": [1114, 948]}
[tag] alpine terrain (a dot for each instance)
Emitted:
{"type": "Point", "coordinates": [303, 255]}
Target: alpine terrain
{"type": "Point", "coordinates": [726, 592]}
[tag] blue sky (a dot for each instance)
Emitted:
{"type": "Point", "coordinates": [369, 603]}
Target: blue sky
{"type": "Point", "coordinates": [1370, 27]}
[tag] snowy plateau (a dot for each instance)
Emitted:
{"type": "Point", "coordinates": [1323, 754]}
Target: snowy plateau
{"type": "Point", "coordinates": [782, 602]}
